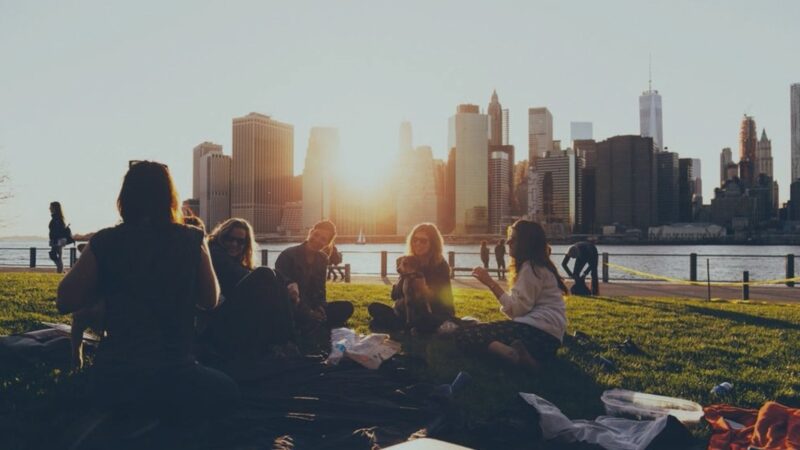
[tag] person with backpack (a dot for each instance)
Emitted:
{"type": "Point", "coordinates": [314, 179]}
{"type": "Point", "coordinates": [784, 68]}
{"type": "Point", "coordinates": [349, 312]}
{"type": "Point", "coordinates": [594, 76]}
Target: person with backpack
{"type": "Point", "coordinates": [59, 236]}
{"type": "Point", "coordinates": [334, 260]}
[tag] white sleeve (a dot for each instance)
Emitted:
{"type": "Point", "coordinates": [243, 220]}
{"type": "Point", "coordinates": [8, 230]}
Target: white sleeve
{"type": "Point", "coordinates": [523, 294]}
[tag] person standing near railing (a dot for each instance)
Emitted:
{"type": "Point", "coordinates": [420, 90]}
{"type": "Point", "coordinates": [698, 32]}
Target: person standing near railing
{"type": "Point", "coordinates": [585, 254]}
{"type": "Point", "coordinates": [500, 257]}
{"type": "Point", "coordinates": [59, 235]}
{"type": "Point", "coordinates": [485, 254]}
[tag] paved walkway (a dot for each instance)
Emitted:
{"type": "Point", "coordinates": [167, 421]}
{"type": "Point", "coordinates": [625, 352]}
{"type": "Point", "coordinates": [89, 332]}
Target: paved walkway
{"type": "Point", "coordinates": [773, 294]}
{"type": "Point", "coordinates": [777, 294]}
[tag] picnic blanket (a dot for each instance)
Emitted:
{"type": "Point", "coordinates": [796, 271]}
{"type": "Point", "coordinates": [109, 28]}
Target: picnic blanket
{"type": "Point", "coordinates": [771, 427]}
{"type": "Point", "coordinates": [291, 403]}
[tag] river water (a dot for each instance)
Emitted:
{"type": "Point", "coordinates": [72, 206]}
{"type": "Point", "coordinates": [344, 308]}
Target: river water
{"type": "Point", "coordinates": [727, 262]}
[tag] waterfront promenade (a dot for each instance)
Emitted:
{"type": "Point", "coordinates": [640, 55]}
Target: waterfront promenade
{"type": "Point", "coordinates": [772, 294]}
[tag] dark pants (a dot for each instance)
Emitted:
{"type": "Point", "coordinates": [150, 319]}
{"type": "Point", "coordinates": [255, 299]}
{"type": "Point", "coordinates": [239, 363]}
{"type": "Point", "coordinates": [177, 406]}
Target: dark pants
{"type": "Point", "coordinates": [257, 315]}
{"type": "Point", "coordinates": [501, 268]}
{"type": "Point", "coordinates": [386, 318]}
{"type": "Point", "coordinates": [185, 392]}
{"type": "Point", "coordinates": [476, 338]}
{"type": "Point", "coordinates": [55, 256]}
{"type": "Point", "coordinates": [579, 265]}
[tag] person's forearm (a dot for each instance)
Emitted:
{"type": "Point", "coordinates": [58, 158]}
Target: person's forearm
{"type": "Point", "coordinates": [496, 289]}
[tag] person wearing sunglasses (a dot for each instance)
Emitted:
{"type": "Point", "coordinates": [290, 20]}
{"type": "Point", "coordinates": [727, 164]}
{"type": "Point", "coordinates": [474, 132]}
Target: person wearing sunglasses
{"type": "Point", "coordinates": [426, 243]}
{"type": "Point", "coordinates": [254, 317]}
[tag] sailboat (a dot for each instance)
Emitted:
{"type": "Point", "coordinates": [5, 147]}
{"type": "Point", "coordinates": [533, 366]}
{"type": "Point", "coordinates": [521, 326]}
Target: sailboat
{"type": "Point", "coordinates": [361, 240]}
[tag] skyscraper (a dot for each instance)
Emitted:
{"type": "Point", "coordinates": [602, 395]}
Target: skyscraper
{"type": "Point", "coordinates": [416, 197]}
{"type": "Point", "coordinates": [795, 131]}
{"type": "Point", "coordinates": [696, 179]}
{"type": "Point", "coordinates": [626, 186]}
{"type": "Point", "coordinates": [215, 189]}
{"type": "Point", "coordinates": [725, 160]}
{"type": "Point", "coordinates": [198, 152]}
{"type": "Point", "coordinates": [554, 188]}
{"type": "Point", "coordinates": [318, 175]}
{"type": "Point", "coordinates": [580, 131]}
{"type": "Point", "coordinates": [506, 125]}
{"type": "Point", "coordinates": [501, 182]}
{"type": "Point", "coordinates": [468, 132]}
{"type": "Point", "coordinates": [495, 112]}
{"type": "Point", "coordinates": [764, 155]}
{"type": "Point", "coordinates": [540, 133]}
{"type": "Point", "coordinates": [262, 170]}
{"type": "Point", "coordinates": [650, 123]}
{"type": "Point", "coordinates": [748, 140]}
{"type": "Point", "coordinates": [668, 187]}
{"type": "Point", "coordinates": [406, 143]}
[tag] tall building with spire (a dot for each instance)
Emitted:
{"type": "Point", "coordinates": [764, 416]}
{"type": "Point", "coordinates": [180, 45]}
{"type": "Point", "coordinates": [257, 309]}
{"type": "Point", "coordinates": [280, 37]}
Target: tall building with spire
{"type": "Point", "coordinates": [650, 123]}
{"type": "Point", "coordinates": [748, 141]}
{"type": "Point", "coordinates": [795, 131]}
{"type": "Point", "coordinates": [764, 155]}
{"type": "Point", "coordinates": [495, 112]}
{"type": "Point", "coordinates": [262, 170]}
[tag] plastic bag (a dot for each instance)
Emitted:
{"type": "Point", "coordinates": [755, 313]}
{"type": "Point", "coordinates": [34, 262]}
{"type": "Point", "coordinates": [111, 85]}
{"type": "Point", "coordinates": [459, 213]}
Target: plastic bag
{"type": "Point", "coordinates": [369, 351]}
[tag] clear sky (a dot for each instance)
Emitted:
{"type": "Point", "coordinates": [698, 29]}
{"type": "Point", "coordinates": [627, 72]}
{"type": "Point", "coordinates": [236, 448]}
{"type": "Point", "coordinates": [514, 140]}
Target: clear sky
{"type": "Point", "coordinates": [86, 86]}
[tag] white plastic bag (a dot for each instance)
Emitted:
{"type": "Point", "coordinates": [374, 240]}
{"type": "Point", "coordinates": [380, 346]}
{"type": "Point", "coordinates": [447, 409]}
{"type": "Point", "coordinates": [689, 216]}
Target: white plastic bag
{"type": "Point", "coordinates": [369, 351]}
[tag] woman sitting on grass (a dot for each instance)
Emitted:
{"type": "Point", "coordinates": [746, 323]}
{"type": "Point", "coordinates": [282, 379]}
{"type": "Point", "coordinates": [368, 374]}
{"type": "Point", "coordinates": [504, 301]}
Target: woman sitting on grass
{"type": "Point", "coordinates": [424, 242]}
{"type": "Point", "coordinates": [152, 272]}
{"type": "Point", "coordinates": [255, 317]}
{"type": "Point", "coordinates": [535, 304]}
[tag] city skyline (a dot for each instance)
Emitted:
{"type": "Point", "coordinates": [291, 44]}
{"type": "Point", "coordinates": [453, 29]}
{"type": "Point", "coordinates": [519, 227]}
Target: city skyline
{"type": "Point", "coordinates": [81, 105]}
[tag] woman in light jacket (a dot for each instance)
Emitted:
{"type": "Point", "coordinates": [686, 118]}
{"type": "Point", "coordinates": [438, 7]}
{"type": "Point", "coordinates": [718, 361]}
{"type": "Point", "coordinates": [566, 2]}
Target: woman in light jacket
{"type": "Point", "coordinates": [535, 305]}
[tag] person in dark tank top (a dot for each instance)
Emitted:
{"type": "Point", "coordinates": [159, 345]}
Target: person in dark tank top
{"type": "Point", "coordinates": [153, 272]}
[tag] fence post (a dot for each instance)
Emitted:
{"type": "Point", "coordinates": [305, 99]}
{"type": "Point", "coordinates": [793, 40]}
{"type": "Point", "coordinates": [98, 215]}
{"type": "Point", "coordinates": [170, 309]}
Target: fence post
{"type": "Point", "coordinates": [33, 257]}
{"type": "Point", "coordinates": [746, 285]}
{"type": "Point", "coordinates": [347, 273]}
{"type": "Point", "coordinates": [605, 267]}
{"type": "Point", "coordinates": [264, 257]}
{"type": "Point", "coordinates": [73, 256]}
{"type": "Point", "coordinates": [451, 259]}
{"type": "Point", "coordinates": [384, 259]}
{"type": "Point", "coordinates": [693, 266]}
{"type": "Point", "coordinates": [790, 269]}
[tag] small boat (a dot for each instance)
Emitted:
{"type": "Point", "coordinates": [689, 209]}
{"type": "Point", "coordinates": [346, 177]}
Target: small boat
{"type": "Point", "coordinates": [361, 240]}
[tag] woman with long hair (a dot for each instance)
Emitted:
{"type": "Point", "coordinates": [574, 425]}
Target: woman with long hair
{"type": "Point", "coordinates": [152, 272]}
{"type": "Point", "coordinates": [424, 242]}
{"type": "Point", "coordinates": [58, 235]}
{"type": "Point", "coordinates": [304, 268]}
{"type": "Point", "coordinates": [535, 303]}
{"type": "Point", "coordinates": [255, 316]}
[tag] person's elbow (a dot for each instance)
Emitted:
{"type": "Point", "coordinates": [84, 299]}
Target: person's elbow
{"type": "Point", "coordinates": [209, 300]}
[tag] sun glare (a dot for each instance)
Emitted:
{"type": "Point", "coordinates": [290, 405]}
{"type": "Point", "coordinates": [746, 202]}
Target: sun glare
{"type": "Point", "coordinates": [363, 173]}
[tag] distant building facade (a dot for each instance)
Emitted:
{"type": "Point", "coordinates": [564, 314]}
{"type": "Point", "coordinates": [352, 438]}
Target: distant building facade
{"type": "Point", "coordinates": [554, 192]}
{"type": "Point", "coordinates": [794, 94]}
{"type": "Point", "coordinates": [500, 183]}
{"type": "Point", "coordinates": [262, 170]}
{"type": "Point", "coordinates": [215, 189]}
{"type": "Point", "coordinates": [580, 131]}
{"type": "Point", "coordinates": [626, 189]}
{"type": "Point", "coordinates": [540, 132]}
{"type": "Point", "coordinates": [650, 123]}
{"type": "Point", "coordinates": [416, 189]}
{"type": "Point", "coordinates": [318, 175]}
{"type": "Point", "coordinates": [468, 136]}
{"type": "Point", "coordinates": [197, 153]}
{"type": "Point", "coordinates": [668, 187]}
{"type": "Point", "coordinates": [725, 161]}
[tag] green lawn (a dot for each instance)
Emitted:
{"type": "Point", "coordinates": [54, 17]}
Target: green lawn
{"type": "Point", "coordinates": [689, 346]}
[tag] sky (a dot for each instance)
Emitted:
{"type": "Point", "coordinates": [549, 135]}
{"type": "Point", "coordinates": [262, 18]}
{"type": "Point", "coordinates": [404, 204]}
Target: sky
{"type": "Point", "coordinates": [86, 86]}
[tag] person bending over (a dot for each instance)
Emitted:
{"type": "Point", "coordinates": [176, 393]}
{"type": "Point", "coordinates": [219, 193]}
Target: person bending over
{"type": "Point", "coordinates": [585, 254]}
{"type": "Point", "coordinates": [535, 305]}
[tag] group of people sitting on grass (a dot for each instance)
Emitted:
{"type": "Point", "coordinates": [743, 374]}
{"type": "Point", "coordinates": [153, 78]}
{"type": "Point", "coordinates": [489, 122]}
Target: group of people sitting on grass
{"type": "Point", "coordinates": [171, 295]}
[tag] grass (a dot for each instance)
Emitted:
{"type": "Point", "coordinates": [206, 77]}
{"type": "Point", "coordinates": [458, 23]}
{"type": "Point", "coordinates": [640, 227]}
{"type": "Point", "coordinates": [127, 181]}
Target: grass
{"type": "Point", "coordinates": [689, 346]}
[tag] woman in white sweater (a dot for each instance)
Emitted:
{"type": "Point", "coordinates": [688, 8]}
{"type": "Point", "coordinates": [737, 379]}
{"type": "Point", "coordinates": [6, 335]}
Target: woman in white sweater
{"type": "Point", "coordinates": [535, 303]}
